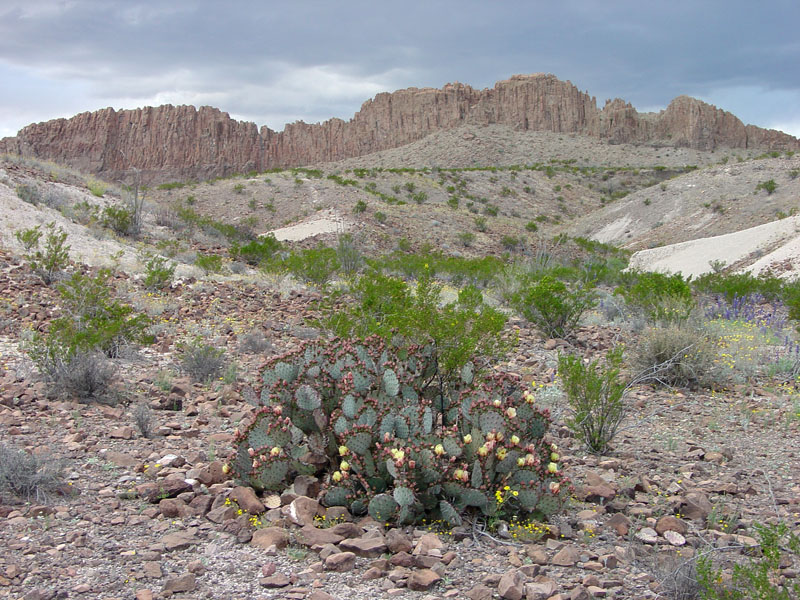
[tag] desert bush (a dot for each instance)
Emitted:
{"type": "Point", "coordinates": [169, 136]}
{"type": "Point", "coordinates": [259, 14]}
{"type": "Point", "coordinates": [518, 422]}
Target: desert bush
{"type": "Point", "coordinates": [28, 477]}
{"type": "Point", "coordinates": [757, 576]}
{"type": "Point", "coordinates": [466, 238]}
{"type": "Point", "coordinates": [510, 242]}
{"type": "Point", "coordinates": [679, 356]}
{"type": "Point", "coordinates": [552, 307]}
{"type": "Point", "coordinates": [254, 342]}
{"type": "Point", "coordinates": [768, 186]}
{"type": "Point", "coordinates": [49, 261]}
{"type": "Point", "coordinates": [387, 306]}
{"type": "Point", "coordinates": [370, 419]}
{"type": "Point", "coordinates": [313, 265]}
{"type": "Point", "coordinates": [92, 324]}
{"type": "Point", "coordinates": [82, 374]}
{"type": "Point", "coordinates": [348, 255]}
{"type": "Point", "coordinates": [96, 187]}
{"type": "Point", "coordinates": [158, 272]}
{"type": "Point", "coordinates": [30, 193]}
{"type": "Point", "coordinates": [595, 396]}
{"type": "Point", "coordinates": [203, 362]}
{"type": "Point", "coordinates": [256, 251]}
{"type": "Point", "coordinates": [210, 263]}
{"type": "Point", "coordinates": [359, 207]}
{"type": "Point", "coordinates": [663, 298]}
{"type": "Point", "coordinates": [739, 285]}
{"type": "Point", "coordinates": [117, 218]}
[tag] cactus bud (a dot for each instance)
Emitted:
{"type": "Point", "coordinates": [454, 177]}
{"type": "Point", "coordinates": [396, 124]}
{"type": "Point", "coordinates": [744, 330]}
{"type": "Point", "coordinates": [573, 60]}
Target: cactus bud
{"type": "Point", "coordinates": [276, 450]}
{"type": "Point", "coordinates": [554, 487]}
{"type": "Point", "coordinates": [337, 476]}
{"type": "Point", "coordinates": [226, 468]}
{"type": "Point", "coordinates": [251, 452]}
{"type": "Point", "coordinates": [457, 474]}
{"type": "Point", "coordinates": [468, 439]}
{"type": "Point", "coordinates": [499, 436]}
{"type": "Point", "coordinates": [412, 464]}
{"type": "Point", "coordinates": [438, 449]}
{"type": "Point", "coordinates": [498, 403]}
{"type": "Point", "coordinates": [530, 459]}
{"type": "Point", "coordinates": [277, 409]}
{"type": "Point", "coordinates": [511, 412]}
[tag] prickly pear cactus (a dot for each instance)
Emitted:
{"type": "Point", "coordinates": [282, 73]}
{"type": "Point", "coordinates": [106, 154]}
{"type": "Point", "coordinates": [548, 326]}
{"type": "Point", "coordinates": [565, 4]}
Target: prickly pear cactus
{"type": "Point", "coordinates": [371, 421]}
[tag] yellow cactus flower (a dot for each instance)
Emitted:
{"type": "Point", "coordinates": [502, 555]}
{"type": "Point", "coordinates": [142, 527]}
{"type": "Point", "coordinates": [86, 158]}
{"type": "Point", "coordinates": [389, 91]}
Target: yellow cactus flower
{"type": "Point", "coordinates": [337, 476]}
{"type": "Point", "coordinates": [514, 439]}
{"type": "Point", "coordinates": [438, 449]}
{"type": "Point", "coordinates": [343, 450]}
{"type": "Point", "coordinates": [344, 466]}
{"type": "Point", "coordinates": [554, 456]}
{"type": "Point", "coordinates": [483, 450]}
{"type": "Point", "coordinates": [552, 467]}
{"type": "Point", "coordinates": [468, 439]}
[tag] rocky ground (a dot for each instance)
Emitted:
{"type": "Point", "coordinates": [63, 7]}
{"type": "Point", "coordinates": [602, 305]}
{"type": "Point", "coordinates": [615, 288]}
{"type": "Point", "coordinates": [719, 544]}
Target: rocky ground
{"type": "Point", "coordinates": [155, 517]}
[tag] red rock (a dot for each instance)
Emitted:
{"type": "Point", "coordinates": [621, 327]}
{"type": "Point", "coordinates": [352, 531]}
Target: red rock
{"type": "Point", "coordinates": [311, 536]}
{"type": "Point", "coordinates": [365, 547]}
{"type": "Point", "coordinates": [422, 580]}
{"type": "Point", "coordinates": [670, 523]}
{"type": "Point", "coordinates": [269, 536]}
{"type": "Point", "coordinates": [511, 585]}
{"type": "Point", "coordinates": [566, 557]}
{"type": "Point", "coordinates": [341, 562]}
{"type": "Point", "coordinates": [428, 542]}
{"type": "Point", "coordinates": [302, 510]}
{"type": "Point", "coordinates": [184, 583]}
{"type": "Point", "coordinates": [247, 500]}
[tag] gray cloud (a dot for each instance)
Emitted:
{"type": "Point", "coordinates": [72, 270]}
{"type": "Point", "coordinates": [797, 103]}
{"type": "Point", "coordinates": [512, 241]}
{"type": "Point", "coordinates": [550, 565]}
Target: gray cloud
{"type": "Point", "coordinates": [278, 61]}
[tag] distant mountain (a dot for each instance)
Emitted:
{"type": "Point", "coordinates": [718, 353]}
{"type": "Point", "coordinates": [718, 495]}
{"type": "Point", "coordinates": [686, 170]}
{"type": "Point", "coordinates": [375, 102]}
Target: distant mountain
{"type": "Point", "coordinates": [179, 143]}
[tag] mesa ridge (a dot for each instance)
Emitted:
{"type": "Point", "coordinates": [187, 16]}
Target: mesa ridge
{"type": "Point", "coordinates": [183, 142]}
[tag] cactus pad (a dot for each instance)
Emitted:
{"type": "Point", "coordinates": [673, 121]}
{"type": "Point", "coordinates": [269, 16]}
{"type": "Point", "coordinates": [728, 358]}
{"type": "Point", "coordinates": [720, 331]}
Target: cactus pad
{"type": "Point", "coordinates": [307, 398]}
{"type": "Point", "coordinates": [358, 442]}
{"type": "Point", "coordinates": [471, 497]}
{"type": "Point", "coordinates": [528, 499]}
{"type": "Point", "coordinates": [382, 508]}
{"type": "Point", "coordinates": [404, 496]}
{"type": "Point", "coordinates": [368, 418]}
{"type": "Point", "coordinates": [391, 386]}
{"type": "Point", "coordinates": [335, 496]}
{"type": "Point", "coordinates": [548, 504]}
{"type": "Point", "coordinates": [387, 426]}
{"type": "Point", "coordinates": [427, 420]}
{"type": "Point", "coordinates": [451, 446]}
{"type": "Point", "coordinates": [360, 382]}
{"type": "Point", "coordinates": [467, 373]}
{"type": "Point", "coordinates": [492, 421]}
{"type": "Point", "coordinates": [449, 514]}
{"type": "Point", "coordinates": [271, 476]}
{"type": "Point", "coordinates": [476, 478]}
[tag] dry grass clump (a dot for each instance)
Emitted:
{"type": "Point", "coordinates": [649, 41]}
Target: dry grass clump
{"type": "Point", "coordinates": [27, 477]}
{"type": "Point", "coordinates": [678, 356]}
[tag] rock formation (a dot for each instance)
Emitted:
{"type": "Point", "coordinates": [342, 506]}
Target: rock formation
{"type": "Point", "coordinates": [179, 143]}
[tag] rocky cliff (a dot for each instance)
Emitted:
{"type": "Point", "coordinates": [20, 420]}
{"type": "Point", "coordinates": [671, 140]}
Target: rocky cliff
{"type": "Point", "coordinates": [169, 143]}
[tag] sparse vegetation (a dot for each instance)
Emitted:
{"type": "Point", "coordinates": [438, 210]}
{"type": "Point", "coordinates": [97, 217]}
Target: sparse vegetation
{"type": "Point", "coordinates": [28, 477]}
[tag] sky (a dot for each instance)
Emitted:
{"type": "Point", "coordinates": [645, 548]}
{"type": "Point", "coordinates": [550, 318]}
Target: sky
{"type": "Point", "coordinates": [275, 62]}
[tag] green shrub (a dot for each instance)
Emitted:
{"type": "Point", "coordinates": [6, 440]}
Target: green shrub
{"type": "Point", "coordinates": [360, 207]}
{"type": "Point", "coordinates": [158, 272]}
{"type": "Point", "coordinates": [466, 238]}
{"type": "Point", "coordinates": [47, 262]}
{"type": "Point", "coordinates": [595, 395]}
{"type": "Point", "coordinates": [387, 306]}
{"type": "Point", "coordinates": [313, 265]}
{"type": "Point", "coordinates": [348, 255]}
{"type": "Point", "coordinates": [552, 307]}
{"type": "Point", "coordinates": [257, 251]}
{"type": "Point", "coordinates": [117, 218]}
{"type": "Point", "coordinates": [510, 242]}
{"type": "Point", "coordinates": [420, 197]}
{"type": "Point", "coordinates": [210, 263]}
{"type": "Point", "coordinates": [480, 223]}
{"type": "Point", "coordinates": [29, 193]}
{"type": "Point", "coordinates": [96, 187]}
{"type": "Point", "coordinates": [679, 356]}
{"type": "Point", "coordinates": [82, 374]}
{"type": "Point", "coordinates": [370, 420]}
{"type": "Point", "coordinates": [28, 477]}
{"type": "Point", "coordinates": [663, 298]}
{"type": "Point", "coordinates": [768, 186]}
{"type": "Point", "coordinates": [203, 362]}
{"type": "Point", "coordinates": [380, 217]}
{"type": "Point", "coordinates": [758, 576]}
{"type": "Point", "coordinates": [531, 226]}
{"type": "Point", "coordinates": [739, 285]}
{"type": "Point", "coordinates": [238, 188]}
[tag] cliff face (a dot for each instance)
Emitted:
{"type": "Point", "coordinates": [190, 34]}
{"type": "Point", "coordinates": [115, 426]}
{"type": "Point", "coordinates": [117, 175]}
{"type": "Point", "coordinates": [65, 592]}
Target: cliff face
{"type": "Point", "coordinates": [169, 143]}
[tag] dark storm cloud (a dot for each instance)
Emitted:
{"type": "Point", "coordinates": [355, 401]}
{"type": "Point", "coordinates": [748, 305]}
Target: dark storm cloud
{"type": "Point", "coordinates": [274, 62]}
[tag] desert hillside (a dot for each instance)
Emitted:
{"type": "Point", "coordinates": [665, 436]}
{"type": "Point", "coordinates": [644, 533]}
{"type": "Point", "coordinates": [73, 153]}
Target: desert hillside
{"type": "Point", "coordinates": [179, 418]}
